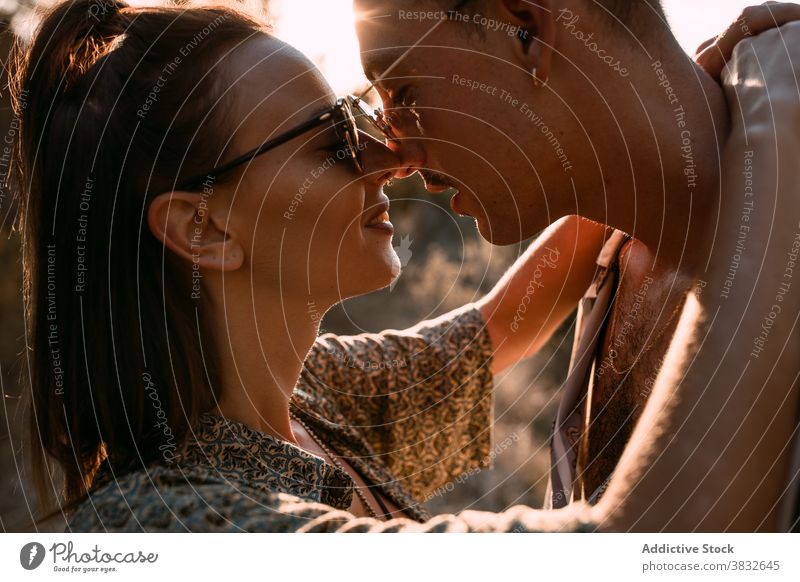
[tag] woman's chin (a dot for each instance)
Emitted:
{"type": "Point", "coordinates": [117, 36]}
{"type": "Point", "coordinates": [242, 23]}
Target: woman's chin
{"type": "Point", "coordinates": [375, 275]}
{"type": "Point", "coordinates": [396, 267]}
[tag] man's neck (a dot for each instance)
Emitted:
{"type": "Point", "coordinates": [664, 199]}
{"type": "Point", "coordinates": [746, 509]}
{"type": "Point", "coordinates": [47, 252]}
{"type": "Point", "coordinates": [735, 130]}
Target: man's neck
{"type": "Point", "coordinates": [676, 177]}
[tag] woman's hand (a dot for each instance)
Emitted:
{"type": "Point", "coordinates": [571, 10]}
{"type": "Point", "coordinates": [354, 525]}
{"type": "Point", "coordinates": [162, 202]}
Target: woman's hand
{"type": "Point", "coordinates": [715, 52]}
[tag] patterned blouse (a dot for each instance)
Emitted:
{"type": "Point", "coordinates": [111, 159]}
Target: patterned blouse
{"type": "Point", "coordinates": [409, 410]}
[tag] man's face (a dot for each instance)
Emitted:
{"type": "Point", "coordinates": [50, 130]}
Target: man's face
{"type": "Point", "coordinates": [471, 117]}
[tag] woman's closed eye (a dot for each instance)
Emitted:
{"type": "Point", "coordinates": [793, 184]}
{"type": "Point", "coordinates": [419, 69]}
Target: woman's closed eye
{"type": "Point", "coordinates": [327, 143]}
{"type": "Point", "coordinates": [331, 147]}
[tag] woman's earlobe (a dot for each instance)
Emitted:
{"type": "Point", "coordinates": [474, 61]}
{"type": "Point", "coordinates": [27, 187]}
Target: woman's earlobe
{"type": "Point", "coordinates": [220, 248]}
{"type": "Point", "coordinates": [221, 255]}
{"type": "Point", "coordinates": [234, 258]}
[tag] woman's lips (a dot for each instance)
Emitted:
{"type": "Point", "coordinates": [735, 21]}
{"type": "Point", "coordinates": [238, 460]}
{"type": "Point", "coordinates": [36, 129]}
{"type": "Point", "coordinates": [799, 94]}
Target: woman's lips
{"type": "Point", "coordinates": [380, 220]}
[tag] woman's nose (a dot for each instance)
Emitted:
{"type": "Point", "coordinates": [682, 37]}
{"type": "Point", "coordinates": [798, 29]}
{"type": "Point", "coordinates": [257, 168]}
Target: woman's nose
{"type": "Point", "coordinates": [411, 154]}
{"type": "Point", "coordinates": [395, 159]}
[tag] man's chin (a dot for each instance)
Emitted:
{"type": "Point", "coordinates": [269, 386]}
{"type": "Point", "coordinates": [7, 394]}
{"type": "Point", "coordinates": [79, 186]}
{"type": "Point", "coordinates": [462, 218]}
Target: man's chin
{"type": "Point", "coordinates": [500, 236]}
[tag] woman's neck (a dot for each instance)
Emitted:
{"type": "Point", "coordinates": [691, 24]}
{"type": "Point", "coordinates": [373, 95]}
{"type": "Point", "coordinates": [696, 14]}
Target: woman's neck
{"type": "Point", "coordinates": [262, 357]}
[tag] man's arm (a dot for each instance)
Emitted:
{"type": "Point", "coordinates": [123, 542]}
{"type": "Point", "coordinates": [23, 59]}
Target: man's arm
{"type": "Point", "coordinates": [541, 289]}
{"type": "Point", "coordinates": [712, 448]}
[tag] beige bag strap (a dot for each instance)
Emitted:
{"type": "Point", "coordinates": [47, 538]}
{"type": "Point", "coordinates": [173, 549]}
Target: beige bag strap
{"type": "Point", "coordinates": [570, 417]}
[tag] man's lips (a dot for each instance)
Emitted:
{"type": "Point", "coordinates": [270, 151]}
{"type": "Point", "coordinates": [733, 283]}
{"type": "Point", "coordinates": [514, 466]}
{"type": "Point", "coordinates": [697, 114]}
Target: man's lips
{"type": "Point", "coordinates": [436, 183]}
{"type": "Point", "coordinates": [455, 204]}
{"type": "Point", "coordinates": [436, 188]}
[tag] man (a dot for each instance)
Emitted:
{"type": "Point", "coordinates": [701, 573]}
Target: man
{"type": "Point", "coordinates": [535, 111]}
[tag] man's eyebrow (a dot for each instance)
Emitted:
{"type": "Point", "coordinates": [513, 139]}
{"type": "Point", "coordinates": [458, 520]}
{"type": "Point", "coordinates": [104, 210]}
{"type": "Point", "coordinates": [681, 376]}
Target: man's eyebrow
{"type": "Point", "coordinates": [376, 63]}
{"type": "Point", "coordinates": [384, 57]}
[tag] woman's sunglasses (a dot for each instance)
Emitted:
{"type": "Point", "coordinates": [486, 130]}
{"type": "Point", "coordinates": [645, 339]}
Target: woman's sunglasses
{"type": "Point", "coordinates": [344, 115]}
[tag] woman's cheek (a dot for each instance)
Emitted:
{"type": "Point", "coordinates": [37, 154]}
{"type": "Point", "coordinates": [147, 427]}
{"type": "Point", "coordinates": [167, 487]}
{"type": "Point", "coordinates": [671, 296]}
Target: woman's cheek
{"type": "Point", "coordinates": [340, 237]}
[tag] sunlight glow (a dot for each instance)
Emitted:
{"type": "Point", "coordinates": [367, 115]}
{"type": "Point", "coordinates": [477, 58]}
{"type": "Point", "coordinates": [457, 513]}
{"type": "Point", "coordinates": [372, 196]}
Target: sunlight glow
{"type": "Point", "coordinates": [693, 22]}
{"type": "Point", "coordinates": [324, 31]}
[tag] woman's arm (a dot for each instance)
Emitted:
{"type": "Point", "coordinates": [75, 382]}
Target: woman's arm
{"type": "Point", "coordinates": [422, 397]}
{"type": "Point", "coordinates": [541, 289]}
{"type": "Point", "coordinates": [712, 449]}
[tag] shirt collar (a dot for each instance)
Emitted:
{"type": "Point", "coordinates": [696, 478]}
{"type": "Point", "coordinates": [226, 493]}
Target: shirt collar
{"type": "Point", "coordinates": [235, 451]}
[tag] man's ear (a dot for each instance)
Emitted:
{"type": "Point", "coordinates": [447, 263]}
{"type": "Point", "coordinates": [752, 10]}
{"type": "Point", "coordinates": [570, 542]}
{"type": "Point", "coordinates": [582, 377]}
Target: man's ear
{"type": "Point", "coordinates": [534, 45]}
{"type": "Point", "coordinates": [194, 231]}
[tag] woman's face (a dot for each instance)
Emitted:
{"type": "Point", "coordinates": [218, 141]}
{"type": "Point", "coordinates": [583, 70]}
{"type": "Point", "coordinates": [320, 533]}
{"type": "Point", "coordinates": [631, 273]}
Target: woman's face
{"type": "Point", "coordinates": [312, 227]}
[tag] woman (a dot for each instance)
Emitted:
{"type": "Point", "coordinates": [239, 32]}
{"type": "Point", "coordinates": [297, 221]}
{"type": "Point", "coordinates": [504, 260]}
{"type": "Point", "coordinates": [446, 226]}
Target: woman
{"type": "Point", "coordinates": [194, 200]}
{"type": "Point", "coordinates": [172, 306]}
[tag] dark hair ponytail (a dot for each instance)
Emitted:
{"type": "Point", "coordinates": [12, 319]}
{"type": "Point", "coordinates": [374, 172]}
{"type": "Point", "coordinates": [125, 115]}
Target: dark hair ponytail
{"type": "Point", "coordinates": [111, 100]}
{"type": "Point", "coordinates": [76, 34]}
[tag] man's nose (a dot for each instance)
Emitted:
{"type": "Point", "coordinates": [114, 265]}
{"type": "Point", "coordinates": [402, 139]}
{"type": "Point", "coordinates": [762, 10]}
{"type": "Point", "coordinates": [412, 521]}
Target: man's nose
{"type": "Point", "coordinates": [397, 158]}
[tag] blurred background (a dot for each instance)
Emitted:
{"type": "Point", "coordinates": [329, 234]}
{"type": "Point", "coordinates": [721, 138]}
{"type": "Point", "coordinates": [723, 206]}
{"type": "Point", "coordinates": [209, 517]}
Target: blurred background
{"type": "Point", "coordinates": [446, 265]}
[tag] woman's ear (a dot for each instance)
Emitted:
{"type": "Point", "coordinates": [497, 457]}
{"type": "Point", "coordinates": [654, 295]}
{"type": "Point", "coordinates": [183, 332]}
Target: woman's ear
{"type": "Point", "coordinates": [533, 45]}
{"type": "Point", "coordinates": [188, 226]}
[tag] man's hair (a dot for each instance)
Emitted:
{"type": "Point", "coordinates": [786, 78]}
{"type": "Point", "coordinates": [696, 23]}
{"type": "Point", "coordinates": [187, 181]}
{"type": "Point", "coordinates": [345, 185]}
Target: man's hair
{"type": "Point", "coordinates": [632, 14]}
